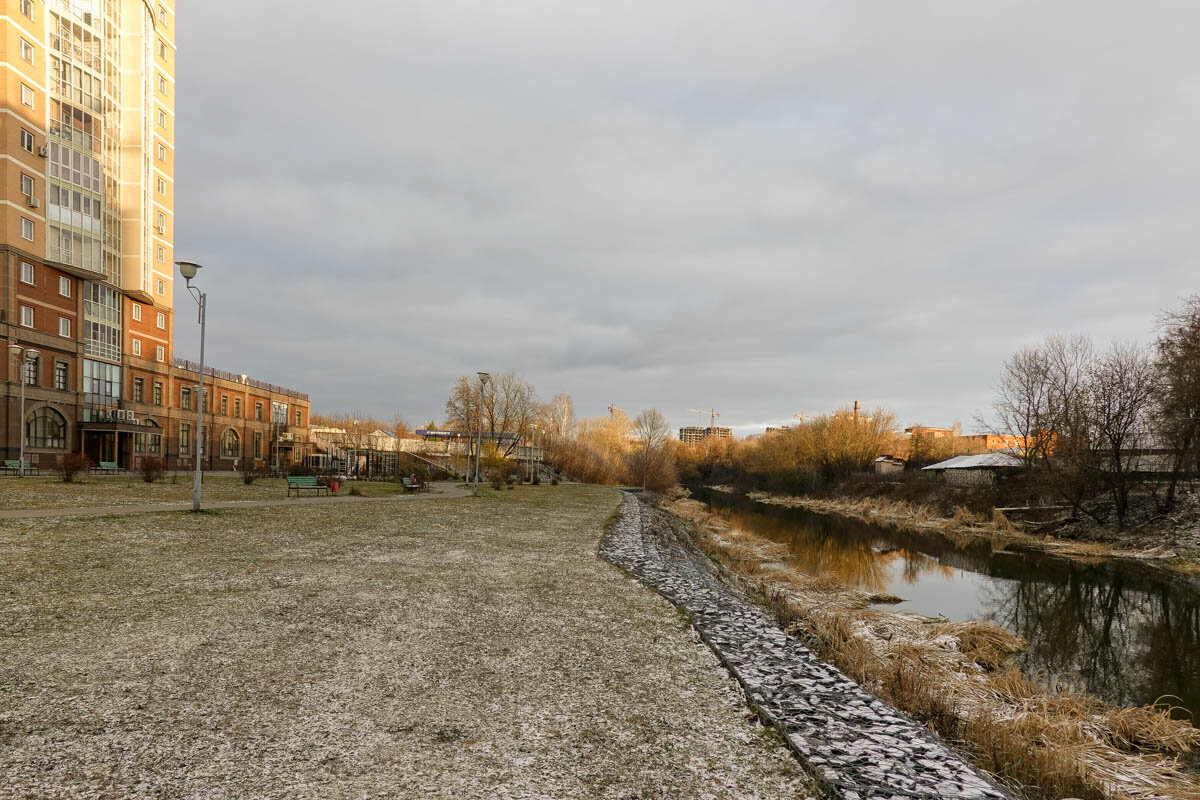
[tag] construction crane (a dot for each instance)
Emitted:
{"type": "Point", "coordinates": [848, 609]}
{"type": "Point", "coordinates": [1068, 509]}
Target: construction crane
{"type": "Point", "coordinates": [713, 415]}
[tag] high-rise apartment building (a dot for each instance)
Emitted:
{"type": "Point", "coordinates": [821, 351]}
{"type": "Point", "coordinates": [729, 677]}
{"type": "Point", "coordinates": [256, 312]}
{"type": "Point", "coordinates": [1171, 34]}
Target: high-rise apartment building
{"type": "Point", "coordinates": [87, 158]}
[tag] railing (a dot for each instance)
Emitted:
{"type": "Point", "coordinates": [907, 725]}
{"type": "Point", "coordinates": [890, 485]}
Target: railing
{"type": "Point", "coordinates": [189, 366]}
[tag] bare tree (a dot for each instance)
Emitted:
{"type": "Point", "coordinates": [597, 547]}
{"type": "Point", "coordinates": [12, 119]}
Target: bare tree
{"type": "Point", "coordinates": [509, 406]}
{"type": "Point", "coordinates": [1178, 417]}
{"type": "Point", "coordinates": [650, 463]}
{"type": "Point", "coordinates": [557, 418]}
{"type": "Point", "coordinates": [1122, 389]}
{"type": "Point", "coordinates": [400, 426]}
{"type": "Point", "coordinates": [1022, 404]}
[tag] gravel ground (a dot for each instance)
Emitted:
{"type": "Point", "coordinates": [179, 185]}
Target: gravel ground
{"type": "Point", "coordinates": [452, 648]}
{"type": "Point", "coordinates": [126, 490]}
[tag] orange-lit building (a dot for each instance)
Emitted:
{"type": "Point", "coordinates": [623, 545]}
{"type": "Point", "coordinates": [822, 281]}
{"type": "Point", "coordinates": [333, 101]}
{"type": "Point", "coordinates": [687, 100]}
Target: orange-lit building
{"type": "Point", "coordinates": [87, 184]}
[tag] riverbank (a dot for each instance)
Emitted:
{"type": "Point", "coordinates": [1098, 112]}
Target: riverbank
{"type": "Point", "coordinates": [1178, 552]}
{"type": "Point", "coordinates": [957, 678]}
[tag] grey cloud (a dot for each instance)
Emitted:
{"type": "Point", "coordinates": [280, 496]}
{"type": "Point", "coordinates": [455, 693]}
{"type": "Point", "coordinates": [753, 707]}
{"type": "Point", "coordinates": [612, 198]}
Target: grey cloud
{"type": "Point", "coordinates": [763, 208]}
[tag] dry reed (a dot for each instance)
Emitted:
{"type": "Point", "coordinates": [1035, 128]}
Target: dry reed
{"type": "Point", "coordinates": [956, 677]}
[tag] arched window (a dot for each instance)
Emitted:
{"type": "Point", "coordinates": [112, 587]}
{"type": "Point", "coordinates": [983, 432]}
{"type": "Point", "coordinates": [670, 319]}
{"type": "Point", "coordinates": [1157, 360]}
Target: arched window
{"type": "Point", "coordinates": [148, 442]}
{"type": "Point", "coordinates": [230, 444]}
{"type": "Point", "coordinates": [46, 428]}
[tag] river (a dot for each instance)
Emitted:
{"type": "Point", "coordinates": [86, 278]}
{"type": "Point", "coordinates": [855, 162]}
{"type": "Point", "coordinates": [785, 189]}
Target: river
{"type": "Point", "coordinates": [1123, 631]}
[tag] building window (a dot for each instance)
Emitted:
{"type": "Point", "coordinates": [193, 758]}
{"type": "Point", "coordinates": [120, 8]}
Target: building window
{"type": "Point", "coordinates": [162, 254]}
{"type": "Point", "coordinates": [207, 395]}
{"type": "Point", "coordinates": [162, 186]}
{"type": "Point", "coordinates": [27, 229]}
{"type": "Point", "coordinates": [64, 327]}
{"type": "Point", "coordinates": [26, 96]}
{"type": "Point", "coordinates": [237, 407]}
{"type": "Point", "coordinates": [297, 419]}
{"type": "Point", "coordinates": [60, 375]}
{"type": "Point", "coordinates": [162, 321]}
{"type": "Point", "coordinates": [31, 371]}
{"type": "Point", "coordinates": [162, 14]}
{"type": "Point", "coordinates": [230, 444]}
{"type": "Point", "coordinates": [224, 405]}
{"type": "Point", "coordinates": [162, 49]}
{"type": "Point", "coordinates": [157, 393]}
{"type": "Point", "coordinates": [27, 51]}
{"type": "Point", "coordinates": [46, 428]}
{"type": "Point", "coordinates": [162, 153]}
{"type": "Point", "coordinates": [258, 444]}
{"type": "Point", "coordinates": [185, 397]}
{"type": "Point", "coordinates": [139, 390]}
{"type": "Point", "coordinates": [203, 440]}
{"type": "Point", "coordinates": [162, 118]}
{"type": "Point", "coordinates": [27, 8]}
{"type": "Point", "coordinates": [137, 313]}
{"type": "Point", "coordinates": [162, 84]}
{"type": "Point", "coordinates": [258, 411]}
{"type": "Point", "coordinates": [137, 347]}
{"type": "Point", "coordinates": [64, 286]}
{"type": "Point", "coordinates": [162, 286]}
{"type": "Point", "coordinates": [160, 353]}
{"type": "Point", "coordinates": [26, 273]}
{"type": "Point", "coordinates": [27, 316]}
{"type": "Point", "coordinates": [160, 222]}
{"type": "Point", "coordinates": [26, 185]}
{"type": "Point", "coordinates": [185, 439]}
{"type": "Point", "coordinates": [26, 141]}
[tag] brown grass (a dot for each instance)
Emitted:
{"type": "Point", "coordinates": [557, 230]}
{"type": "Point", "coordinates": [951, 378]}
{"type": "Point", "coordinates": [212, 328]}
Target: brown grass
{"type": "Point", "coordinates": [957, 678]}
{"type": "Point", "coordinates": [988, 645]}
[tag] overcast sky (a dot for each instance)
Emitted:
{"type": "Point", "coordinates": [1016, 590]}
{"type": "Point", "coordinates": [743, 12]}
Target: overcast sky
{"type": "Point", "coordinates": [762, 207]}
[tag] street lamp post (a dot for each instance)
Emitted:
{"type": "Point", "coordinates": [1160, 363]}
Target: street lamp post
{"type": "Point", "coordinates": [532, 445]}
{"type": "Point", "coordinates": [188, 270]}
{"type": "Point", "coordinates": [483, 380]}
{"type": "Point", "coordinates": [24, 356]}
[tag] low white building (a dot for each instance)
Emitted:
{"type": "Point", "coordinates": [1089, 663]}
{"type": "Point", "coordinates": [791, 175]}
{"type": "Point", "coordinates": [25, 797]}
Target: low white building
{"type": "Point", "coordinates": [974, 470]}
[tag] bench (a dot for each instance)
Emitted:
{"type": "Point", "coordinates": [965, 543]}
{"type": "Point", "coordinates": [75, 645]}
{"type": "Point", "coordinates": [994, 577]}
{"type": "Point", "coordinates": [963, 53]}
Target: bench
{"type": "Point", "coordinates": [298, 482]}
{"type": "Point", "coordinates": [107, 467]}
{"type": "Point", "coordinates": [411, 485]}
{"type": "Point", "coordinates": [14, 465]}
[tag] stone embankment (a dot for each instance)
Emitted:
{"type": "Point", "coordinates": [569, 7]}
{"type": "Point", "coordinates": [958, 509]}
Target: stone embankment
{"type": "Point", "coordinates": [857, 745]}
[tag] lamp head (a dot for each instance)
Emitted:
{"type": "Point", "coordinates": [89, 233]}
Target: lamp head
{"type": "Point", "coordinates": [187, 269]}
{"type": "Point", "coordinates": [483, 377]}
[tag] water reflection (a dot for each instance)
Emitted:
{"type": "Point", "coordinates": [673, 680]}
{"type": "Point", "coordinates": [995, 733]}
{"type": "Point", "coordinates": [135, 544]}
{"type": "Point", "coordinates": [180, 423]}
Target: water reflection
{"type": "Point", "coordinates": [1124, 632]}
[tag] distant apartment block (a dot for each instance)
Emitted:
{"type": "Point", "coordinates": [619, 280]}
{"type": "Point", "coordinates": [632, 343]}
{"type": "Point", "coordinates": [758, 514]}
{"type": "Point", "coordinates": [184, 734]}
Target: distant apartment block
{"type": "Point", "coordinates": [693, 434]}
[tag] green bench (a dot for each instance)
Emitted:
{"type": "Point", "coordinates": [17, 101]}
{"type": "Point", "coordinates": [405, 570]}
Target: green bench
{"type": "Point", "coordinates": [107, 467]}
{"type": "Point", "coordinates": [14, 465]}
{"type": "Point", "coordinates": [411, 485]}
{"type": "Point", "coordinates": [298, 482]}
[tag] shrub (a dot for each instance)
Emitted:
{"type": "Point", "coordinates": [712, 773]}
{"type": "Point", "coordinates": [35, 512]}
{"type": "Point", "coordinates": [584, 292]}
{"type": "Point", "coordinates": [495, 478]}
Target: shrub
{"type": "Point", "coordinates": [251, 470]}
{"type": "Point", "coordinates": [70, 465]}
{"type": "Point", "coordinates": [554, 481]}
{"type": "Point", "coordinates": [537, 479]}
{"type": "Point", "coordinates": [496, 478]}
{"type": "Point", "coordinates": [299, 469]}
{"type": "Point", "coordinates": [355, 491]}
{"type": "Point", "coordinates": [152, 468]}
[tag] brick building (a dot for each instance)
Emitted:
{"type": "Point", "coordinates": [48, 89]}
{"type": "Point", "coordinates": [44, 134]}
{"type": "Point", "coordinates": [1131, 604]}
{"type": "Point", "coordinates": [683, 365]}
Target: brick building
{"type": "Point", "coordinates": [86, 251]}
